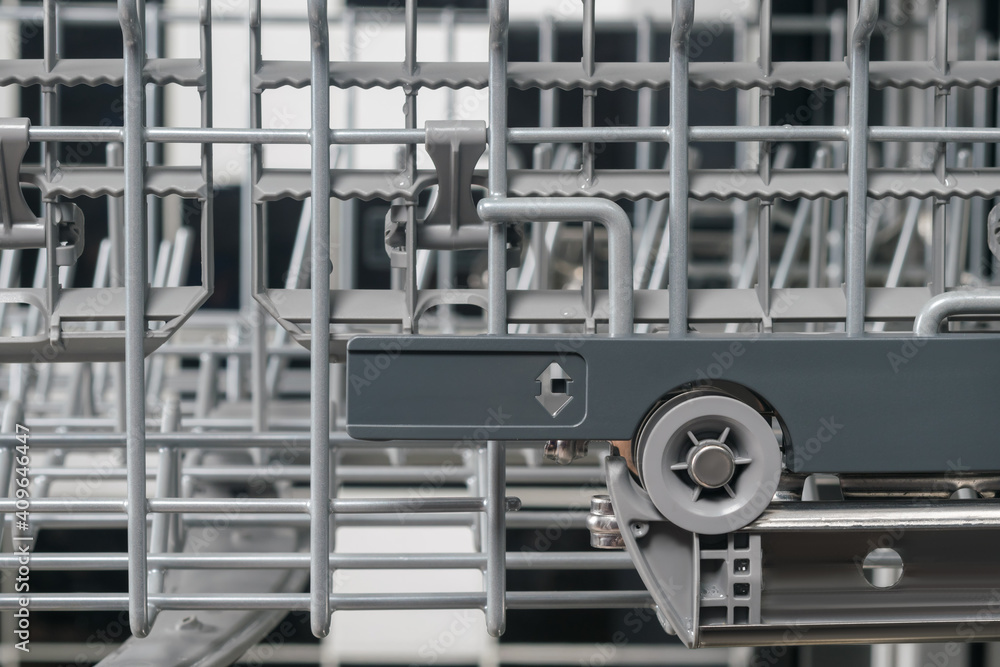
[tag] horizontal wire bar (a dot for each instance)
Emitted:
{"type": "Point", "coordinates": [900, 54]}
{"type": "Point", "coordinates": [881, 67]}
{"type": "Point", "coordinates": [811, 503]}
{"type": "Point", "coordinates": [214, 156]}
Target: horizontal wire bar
{"type": "Point", "coordinates": [780, 517]}
{"type": "Point", "coordinates": [256, 505]}
{"type": "Point", "coordinates": [354, 601]}
{"type": "Point", "coordinates": [721, 133]}
{"type": "Point", "coordinates": [189, 349]}
{"type": "Point", "coordinates": [107, 13]}
{"type": "Point", "coordinates": [523, 519]}
{"type": "Point", "coordinates": [289, 440]}
{"type": "Point", "coordinates": [389, 474]}
{"type": "Point", "coordinates": [583, 560]}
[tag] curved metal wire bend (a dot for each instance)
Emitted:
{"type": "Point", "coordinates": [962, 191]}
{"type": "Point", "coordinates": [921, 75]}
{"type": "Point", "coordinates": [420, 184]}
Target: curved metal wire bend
{"type": "Point", "coordinates": [602, 211]}
{"type": "Point", "coordinates": [950, 304]}
{"type": "Point", "coordinates": [857, 169]}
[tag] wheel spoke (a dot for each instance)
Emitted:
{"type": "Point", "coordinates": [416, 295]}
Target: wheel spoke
{"type": "Point", "coordinates": [742, 460]}
{"type": "Point", "coordinates": [729, 490]}
{"type": "Point", "coordinates": [679, 466]}
{"type": "Point", "coordinates": [725, 434]}
{"type": "Point", "coordinates": [694, 438]}
{"type": "Point", "coordinates": [696, 494]}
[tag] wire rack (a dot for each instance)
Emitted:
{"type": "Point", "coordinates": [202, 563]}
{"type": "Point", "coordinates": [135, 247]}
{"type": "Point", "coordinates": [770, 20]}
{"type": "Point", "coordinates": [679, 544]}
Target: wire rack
{"type": "Point", "coordinates": [817, 220]}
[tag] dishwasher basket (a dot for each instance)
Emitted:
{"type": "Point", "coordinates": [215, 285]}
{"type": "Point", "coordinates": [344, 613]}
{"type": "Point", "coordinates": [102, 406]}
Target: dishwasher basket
{"type": "Point", "coordinates": [737, 264]}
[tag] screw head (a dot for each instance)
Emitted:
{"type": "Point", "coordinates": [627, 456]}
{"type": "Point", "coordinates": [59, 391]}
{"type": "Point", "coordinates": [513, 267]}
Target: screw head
{"type": "Point", "coordinates": [565, 452]}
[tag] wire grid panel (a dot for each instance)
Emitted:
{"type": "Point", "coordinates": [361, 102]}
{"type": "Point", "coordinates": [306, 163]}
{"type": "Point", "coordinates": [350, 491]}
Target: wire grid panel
{"type": "Point", "coordinates": [857, 205]}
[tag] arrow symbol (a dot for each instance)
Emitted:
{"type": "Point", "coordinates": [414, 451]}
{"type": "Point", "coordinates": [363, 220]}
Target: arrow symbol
{"type": "Point", "coordinates": [554, 391]}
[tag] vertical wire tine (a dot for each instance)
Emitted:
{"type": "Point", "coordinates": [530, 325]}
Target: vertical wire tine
{"type": "Point", "coordinates": [764, 262]}
{"type": "Point", "coordinates": [130, 14]}
{"type": "Point", "coordinates": [166, 487]}
{"type": "Point", "coordinates": [857, 169]}
{"type": "Point", "coordinates": [644, 112]}
{"type": "Point", "coordinates": [50, 117]}
{"type": "Point", "coordinates": [153, 48]}
{"type": "Point", "coordinates": [496, 471]}
{"type": "Point", "coordinates": [543, 158]}
{"type": "Point", "coordinates": [445, 258]}
{"type": "Point", "coordinates": [410, 109]}
{"type": "Point", "coordinates": [346, 276]}
{"type": "Point", "coordinates": [208, 203]}
{"type": "Point", "coordinates": [589, 43]}
{"type": "Point", "coordinates": [497, 175]}
{"type": "Point", "coordinates": [993, 261]}
{"type": "Point", "coordinates": [33, 323]}
{"type": "Point", "coordinates": [348, 213]}
{"type": "Point", "coordinates": [680, 33]}
{"type": "Point", "coordinates": [13, 414]}
{"type": "Point", "coordinates": [182, 239]}
{"type": "Point", "coordinates": [838, 38]}
{"type": "Point", "coordinates": [977, 209]}
{"type": "Point", "coordinates": [819, 226]}
{"type": "Point", "coordinates": [116, 230]}
{"type": "Point", "coordinates": [547, 36]}
{"type": "Point", "coordinates": [793, 242]}
{"type": "Point", "coordinates": [319, 449]}
{"type": "Point", "coordinates": [297, 279]}
{"type": "Point", "coordinates": [764, 167]}
{"type": "Point", "coordinates": [10, 270]}
{"type": "Point", "coordinates": [957, 232]}
{"type": "Point", "coordinates": [496, 538]}
{"type": "Point", "coordinates": [261, 368]}
{"type": "Point", "coordinates": [940, 222]}
{"type": "Point", "coordinates": [740, 208]}
{"type": "Point", "coordinates": [902, 248]}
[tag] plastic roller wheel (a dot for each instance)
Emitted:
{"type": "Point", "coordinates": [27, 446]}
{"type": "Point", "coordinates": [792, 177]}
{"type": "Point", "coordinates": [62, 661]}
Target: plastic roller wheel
{"type": "Point", "coordinates": [709, 462]}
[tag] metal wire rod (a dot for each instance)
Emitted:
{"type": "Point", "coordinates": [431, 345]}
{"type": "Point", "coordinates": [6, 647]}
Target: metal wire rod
{"type": "Point", "coordinates": [360, 601]}
{"type": "Point", "coordinates": [319, 361]}
{"type": "Point", "coordinates": [260, 505]}
{"type": "Point", "coordinates": [607, 213]}
{"type": "Point", "coordinates": [526, 135]}
{"type": "Point", "coordinates": [680, 33]}
{"type": "Point", "coordinates": [496, 463]}
{"type": "Point", "coordinates": [520, 519]}
{"type": "Point", "coordinates": [516, 560]}
{"type": "Point", "coordinates": [951, 304]}
{"type": "Point", "coordinates": [357, 474]}
{"type": "Point", "coordinates": [857, 168]}
{"type": "Point", "coordinates": [131, 16]}
{"type": "Point", "coordinates": [213, 440]}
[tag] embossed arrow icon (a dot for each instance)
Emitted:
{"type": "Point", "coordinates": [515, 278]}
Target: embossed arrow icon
{"type": "Point", "coordinates": [554, 391]}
